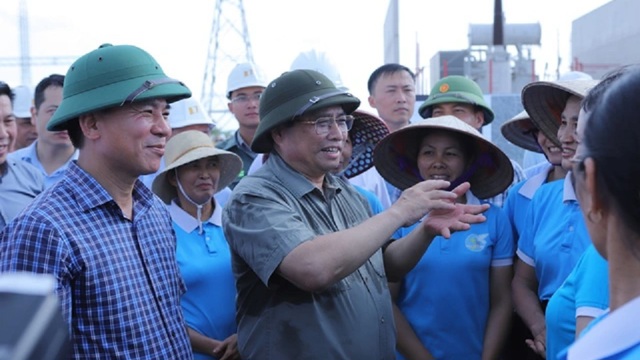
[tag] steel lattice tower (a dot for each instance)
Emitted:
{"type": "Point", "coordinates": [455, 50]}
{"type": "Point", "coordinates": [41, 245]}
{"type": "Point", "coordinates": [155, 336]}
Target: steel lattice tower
{"type": "Point", "coordinates": [229, 44]}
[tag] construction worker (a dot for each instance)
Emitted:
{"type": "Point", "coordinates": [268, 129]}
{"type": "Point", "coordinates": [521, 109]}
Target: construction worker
{"type": "Point", "coordinates": [244, 87]}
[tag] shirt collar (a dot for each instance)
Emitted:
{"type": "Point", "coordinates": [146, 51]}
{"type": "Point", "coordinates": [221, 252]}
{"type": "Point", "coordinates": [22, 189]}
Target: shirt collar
{"type": "Point", "coordinates": [295, 181]}
{"type": "Point", "coordinates": [568, 191]}
{"type": "Point", "coordinates": [30, 155]}
{"type": "Point", "coordinates": [533, 183]}
{"type": "Point", "coordinates": [241, 143]}
{"type": "Point", "coordinates": [614, 333]}
{"type": "Point", "coordinates": [187, 222]}
{"type": "Point", "coordinates": [93, 194]}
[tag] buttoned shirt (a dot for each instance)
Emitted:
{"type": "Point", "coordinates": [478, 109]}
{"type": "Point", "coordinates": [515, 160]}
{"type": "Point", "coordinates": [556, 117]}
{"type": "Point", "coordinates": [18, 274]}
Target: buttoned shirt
{"type": "Point", "coordinates": [205, 264]}
{"type": "Point", "coordinates": [30, 155]}
{"type": "Point", "coordinates": [19, 185]}
{"type": "Point", "coordinates": [117, 279]}
{"type": "Point", "coordinates": [269, 214]}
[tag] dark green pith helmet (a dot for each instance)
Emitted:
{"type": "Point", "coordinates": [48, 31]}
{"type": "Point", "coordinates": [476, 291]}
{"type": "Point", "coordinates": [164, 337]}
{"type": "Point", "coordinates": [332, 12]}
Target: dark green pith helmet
{"type": "Point", "coordinates": [112, 76]}
{"type": "Point", "coordinates": [456, 89]}
{"type": "Point", "coordinates": [293, 94]}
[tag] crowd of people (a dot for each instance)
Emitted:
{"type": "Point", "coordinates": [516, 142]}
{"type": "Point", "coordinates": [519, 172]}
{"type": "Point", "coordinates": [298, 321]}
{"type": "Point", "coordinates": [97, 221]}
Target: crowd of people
{"type": "Point", "coordinates": [318, 230]}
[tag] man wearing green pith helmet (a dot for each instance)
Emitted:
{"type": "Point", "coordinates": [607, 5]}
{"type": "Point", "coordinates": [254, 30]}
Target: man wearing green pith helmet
{"type": "Point", "coordinates": [461, 97]}
{"type": "Point", "coordinates": [102, 234]}
{"type": "Point", "coordinates": [310, 260]}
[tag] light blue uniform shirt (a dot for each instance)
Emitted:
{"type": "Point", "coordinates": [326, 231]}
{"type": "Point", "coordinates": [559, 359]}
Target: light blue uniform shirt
{"type": "Point", "coordinates": [613, 336]}
{"type": "Point", "coordinates": [18, 187]}
{"type": "Point", "coordinates": [445, 297]}
{"type": "Point", "coordinates": [519, 198]}
{"type": "Point", "coordinates": [205, 265]}
{"type": "Point", "coordinates": [30, 155]}
{"type": "Point", "coordinates": [555, 236]}
{"type": "Point", "coordinates": [585, 292]}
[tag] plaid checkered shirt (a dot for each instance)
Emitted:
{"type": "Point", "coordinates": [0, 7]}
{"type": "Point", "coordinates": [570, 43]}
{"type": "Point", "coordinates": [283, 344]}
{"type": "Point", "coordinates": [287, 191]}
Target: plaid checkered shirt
{"type": "Point", "coordinates": [117, 279]}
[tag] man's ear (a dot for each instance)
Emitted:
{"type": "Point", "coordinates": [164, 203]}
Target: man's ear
{"type": "Point", "coordinates": [89, 126]}
{"type": "Point", "coordinates": [372, 101]}
{"type": "Point", "coordinates": [479, 118]}
{"type": "Point", "coordinates": [276, 135]}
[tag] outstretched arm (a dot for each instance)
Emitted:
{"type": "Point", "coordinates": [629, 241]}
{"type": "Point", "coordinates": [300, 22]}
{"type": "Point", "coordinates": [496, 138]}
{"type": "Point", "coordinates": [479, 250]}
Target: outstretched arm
{"type": "Point", "coordinates": [317, 264]}
{"type": "Point", "coordinates": [401, 256]}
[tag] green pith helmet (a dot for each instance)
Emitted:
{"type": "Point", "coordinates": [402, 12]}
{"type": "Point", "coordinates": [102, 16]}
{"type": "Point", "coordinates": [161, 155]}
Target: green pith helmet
{"type": "Point", "coordinates": [293, 94]}
{"type": "Point", "coordinates": [112, 76]}
{"type": "Point", "coordinates": [456, 89]}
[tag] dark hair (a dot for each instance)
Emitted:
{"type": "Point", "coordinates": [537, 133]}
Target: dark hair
{"type": "Point", "coordinates": [51, 80]}
{"type": "Point", "coordinates": [595, 94]}
{"type": "Point", "coordinates": [612, 141]}
{"type": "Point", "coordinates": [384, 70]}
{"type": "Point", "coordinates": [5, 89]}
{"type": "Point", "coordinates": [75, 133]}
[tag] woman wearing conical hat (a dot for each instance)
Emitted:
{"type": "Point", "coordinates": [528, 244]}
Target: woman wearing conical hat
{"type": "Point", "coordinates": [455, 303]}
{"type": "Point", "coordinates": [555, 236]}
{"type": "Point", "coordinates": [195, 170]}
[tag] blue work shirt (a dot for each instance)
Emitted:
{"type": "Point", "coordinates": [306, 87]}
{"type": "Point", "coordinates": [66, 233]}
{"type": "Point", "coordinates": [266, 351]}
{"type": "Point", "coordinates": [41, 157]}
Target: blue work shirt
{"type": "Point", "coordinates": [556, 235]}
{"type": "Point", "coordinates": [204, 259]}
{"type": "Point", "coordinates": [585, 292]}
{"type": "Point", "coordinates": [612, 336]}
{"type": "Point", "coordinates": [446, 296]}
{"type": "Point", "coordinates": [30, 155]}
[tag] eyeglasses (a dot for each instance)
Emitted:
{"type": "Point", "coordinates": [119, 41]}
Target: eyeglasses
{"type": "Point", "coordinates": [324, 124]}
{"type": "Point", "coordinates": [244, 99]}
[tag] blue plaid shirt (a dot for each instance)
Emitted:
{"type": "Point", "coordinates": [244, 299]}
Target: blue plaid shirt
{"type": "Point", "coordinates": [117, 279]}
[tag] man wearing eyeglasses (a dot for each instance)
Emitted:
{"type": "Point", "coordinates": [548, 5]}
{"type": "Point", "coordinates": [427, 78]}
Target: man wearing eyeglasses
{"type": "Point", "coordinates": [245, 84]}
{"type": "Point", "coordinates": [311, 261]}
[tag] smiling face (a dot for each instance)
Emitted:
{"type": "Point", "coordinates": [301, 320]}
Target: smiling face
{"type": "Point", "coordinates": [131, 139]}
{"type": "Point", "coordinates": [441, 156]}
{"type": "Point", "coordinates": [567, 130]}
{"type": "Point", "coordinates": [7, 127]}
{"type": "Point", "coordinates": [550, 149]}
{"type": "Point", "coordinates": [307, 152]}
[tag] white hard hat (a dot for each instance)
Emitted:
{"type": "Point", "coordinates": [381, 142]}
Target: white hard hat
{"type": "Point", "coordinates": [23, 101]}
{"type": "Point", "coordinates": [188, 112]}
{"type": "Point", "coordinates": [320, 62]}
{"type": "Point", "coordinates": [245, 75]}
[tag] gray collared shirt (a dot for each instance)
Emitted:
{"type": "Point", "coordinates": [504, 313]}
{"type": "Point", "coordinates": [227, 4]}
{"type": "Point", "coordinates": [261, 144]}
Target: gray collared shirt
{"type": "Point", "coordinates": [269, 214]}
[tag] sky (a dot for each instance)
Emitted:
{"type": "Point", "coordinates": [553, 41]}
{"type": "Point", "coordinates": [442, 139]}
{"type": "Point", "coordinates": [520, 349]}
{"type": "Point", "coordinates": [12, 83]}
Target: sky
{"type": "Point", "coordinates": [350, 32]}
